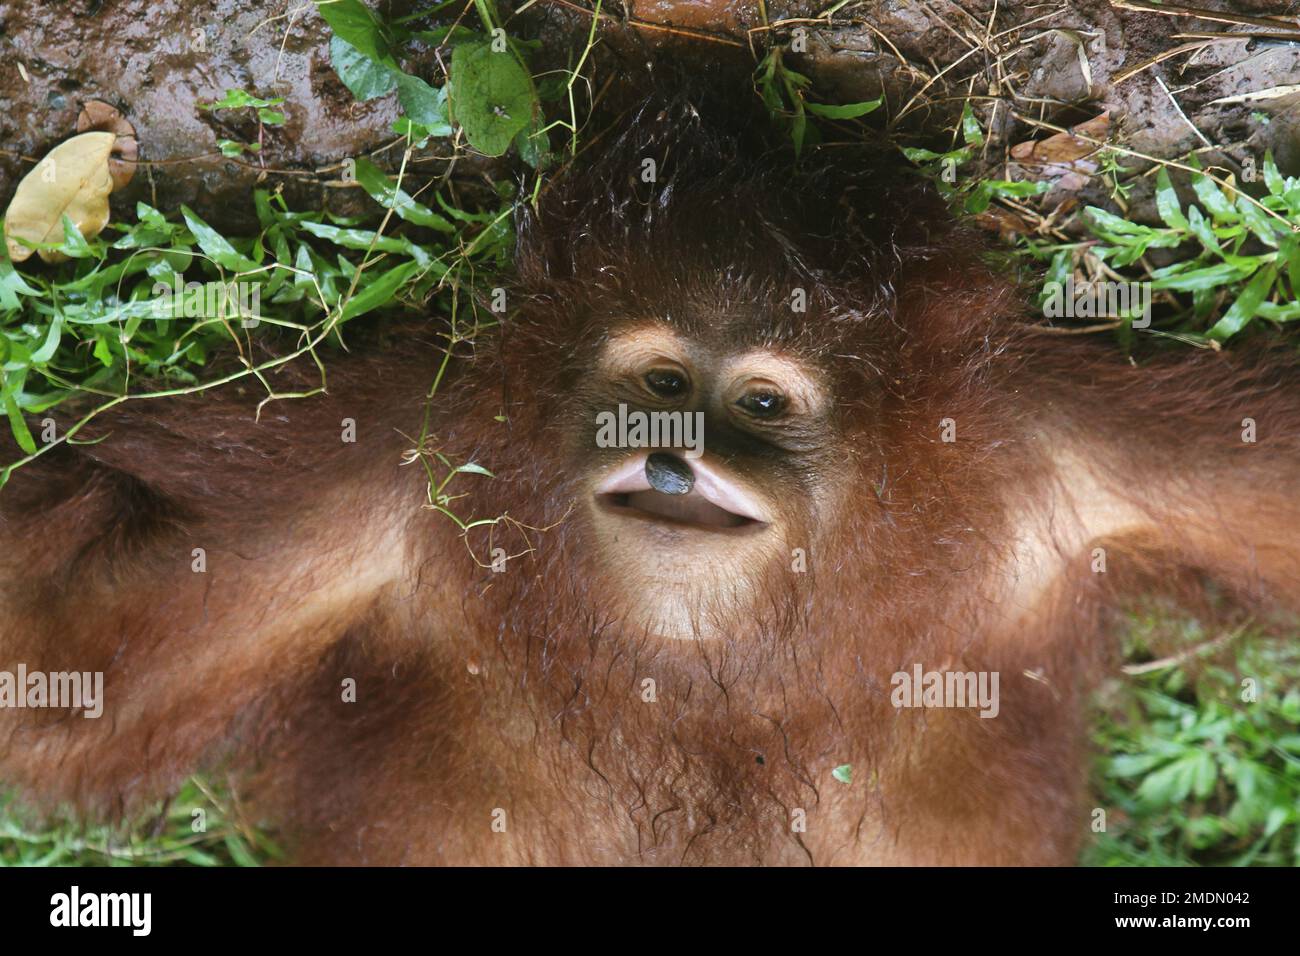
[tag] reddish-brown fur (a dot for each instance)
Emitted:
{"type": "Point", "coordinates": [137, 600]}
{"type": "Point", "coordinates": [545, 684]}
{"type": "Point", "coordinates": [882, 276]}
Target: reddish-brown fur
{"type": "Point", "coordinates": [522, 691]}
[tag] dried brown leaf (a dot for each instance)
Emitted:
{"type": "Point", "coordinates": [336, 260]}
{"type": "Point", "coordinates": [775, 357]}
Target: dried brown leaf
{"type": "Point", "coordinates": [98, 115]}
{"type": "Point", "coordinates": [1065, 157]}
{"type": "Point", "coordinates": [72, 179]}
{"type": "Point", "coordinates": [1064, 148]}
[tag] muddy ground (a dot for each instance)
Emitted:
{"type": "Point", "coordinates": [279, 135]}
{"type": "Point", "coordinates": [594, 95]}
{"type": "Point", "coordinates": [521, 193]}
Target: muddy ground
{"type": "Point", "coordinates": [157, 60]}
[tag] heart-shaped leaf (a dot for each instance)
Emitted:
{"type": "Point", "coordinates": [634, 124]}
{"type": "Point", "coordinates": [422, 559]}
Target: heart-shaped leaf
{"type": "Point", "coordinates": [491, 95]}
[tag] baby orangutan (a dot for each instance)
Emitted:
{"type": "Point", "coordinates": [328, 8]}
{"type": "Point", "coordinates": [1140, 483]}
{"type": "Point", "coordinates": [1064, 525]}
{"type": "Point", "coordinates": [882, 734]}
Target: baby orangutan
{"type": "Point", "coordinates": [660, 652]}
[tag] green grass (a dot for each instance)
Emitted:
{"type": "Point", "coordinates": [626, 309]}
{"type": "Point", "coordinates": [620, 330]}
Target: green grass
{"type": "Point", "coordinates": [1201, 751]}
{"type": "Point", "coordinates": [196, 828]}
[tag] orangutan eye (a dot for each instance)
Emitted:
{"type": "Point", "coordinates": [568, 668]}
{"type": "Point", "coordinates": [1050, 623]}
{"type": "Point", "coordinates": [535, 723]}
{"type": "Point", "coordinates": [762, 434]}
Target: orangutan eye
{"type": "Point", "coordinates": [762, 403]}
{"type": "Point", "coordinates": [666, 382]}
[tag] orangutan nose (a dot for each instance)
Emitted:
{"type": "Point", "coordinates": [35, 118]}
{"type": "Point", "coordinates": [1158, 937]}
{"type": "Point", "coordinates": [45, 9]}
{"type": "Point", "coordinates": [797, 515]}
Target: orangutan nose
{"type": "Point", "coordinates": [668, 474]}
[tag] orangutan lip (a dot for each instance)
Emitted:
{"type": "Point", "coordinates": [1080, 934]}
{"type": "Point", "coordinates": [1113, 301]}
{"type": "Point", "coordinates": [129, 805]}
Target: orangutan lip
{"type": "Point", "coordinates": [690, 510]}
{"type": "Point", "coordinates": [713, 503]}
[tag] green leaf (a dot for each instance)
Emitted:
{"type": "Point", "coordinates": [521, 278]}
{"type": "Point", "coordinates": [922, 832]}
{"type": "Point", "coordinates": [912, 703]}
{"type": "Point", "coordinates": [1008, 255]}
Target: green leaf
{"type": "Point", "coordinates": [843, 773]}
{"type": "Point", "coordinates": [1132, 765]}
{"type": "Point", "coordinates": [979, 198]}
{"type": "Point", "coordinates": [424, 104]}
{"type": "Point", "coordinates": [798, 126]}
{"type": "Point", "coordinates": [491, 95]}
{"type": "Point", "coordinates": [1291, 251]}
{"type": "Point", "coordinates": [970, 126]}
{"type": "Point", "coordinates": [418, 133]}
{"type": "Point", "coordinates": [365, 239]}
{"type": "Point", "coordinates": [1204, 832]}
{"type": "Point", "coordinates": [380, 292]}
{"type": "Point", "coordinates": [920, 156]}
{"type": "Point", "coordinates": [74, 244]}
{"type": "Point", "coordinates": [1203, 231]}
{"type": "Point", "coordinates": [1209, 277]}
{"type": "Point", "coordinates": [1277, 816]}
{"type": "Point", "coordinates": [215, 244]}
{"type": "Point", "coordinates": [1171, 211]}
{"type": "Point", "coordinates": [1247, 304]}
{"type": "Point", "coordinates": [358, 25]}
{"type": "Point", "coordinates": [1275, 312]}
{"type": "Point", "coordinates": [1257, 222]}
{"type": "Point", "coordinates": [534, 146]}
{"type": "Point", "coordinates": [103, 351]}
{"type": "Point", "coordinates": [302, 262]}
{"type": "Point", "coordinates": [1110, 223]}
{"type": "Point", "coordinates": [385, 192]}
{"type": "Point", "coordinates": [366, 78]}
{"type": "Point", "coordinates": [1205, 773]}
{"type": "Point", "coordinates": [51, 343]}
{"type": "Point", "coordinates": [270, 117]}
{"type": "Point", "coordinates": [1272, 177]}
{"type": "Point", "coordinates": [847, 111]}
{"type": "Point", "coordinates": [238, 99]}
{"type": "Point", "coordinates": [19, 427]}
{"type": "Point", "coordinates": [442, 36]}
{"type": "Point", "coordinates": [147, 214]}
{"type": "Point", "coordinates": [1170, 784]}
{"type": "Point", "coordinates": [12, 283]}
{"type": "Point", "coordinates": [1213, 199]}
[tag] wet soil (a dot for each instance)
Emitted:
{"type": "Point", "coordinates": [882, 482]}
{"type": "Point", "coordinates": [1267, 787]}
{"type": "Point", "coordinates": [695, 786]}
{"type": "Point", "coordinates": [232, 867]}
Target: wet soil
{"type": "Point", "coordinates": [158, 60]}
